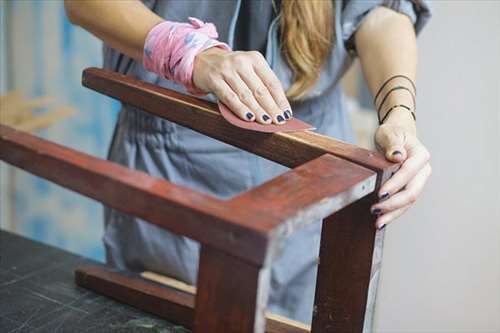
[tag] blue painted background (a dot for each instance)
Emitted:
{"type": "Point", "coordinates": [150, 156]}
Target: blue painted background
{"type": "Point", "coordinates": [45, 56]}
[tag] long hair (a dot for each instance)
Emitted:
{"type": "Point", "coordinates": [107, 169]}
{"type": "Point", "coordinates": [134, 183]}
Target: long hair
{"type": "Point", "coordinates": [307, 33]}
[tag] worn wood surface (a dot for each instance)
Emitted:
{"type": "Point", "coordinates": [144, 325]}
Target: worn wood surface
{"type": "Point", "coordinates": [308, 193]}
{"type": "Point", "coordinates": [290, 149]}
{"type": "Point", "coordinates": [178, 209]}
{"type": "Point", "coordinates": [231, 294]}
{"type": "Point", "coordinates": [346, 250]}
{"type": "Point", "coordinates": [166, 301]}
{"type": "Point", "coordinates": [328, 184]}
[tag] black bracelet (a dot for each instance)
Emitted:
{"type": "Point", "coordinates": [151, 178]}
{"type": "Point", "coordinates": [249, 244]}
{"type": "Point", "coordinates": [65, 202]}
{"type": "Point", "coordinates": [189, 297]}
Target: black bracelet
{"type": "Point", "coordinates": [390, 79]}
{"type": "Point", "coordinates": [392, 108]}
{"type": "Point", "coordinates": [394, 89]}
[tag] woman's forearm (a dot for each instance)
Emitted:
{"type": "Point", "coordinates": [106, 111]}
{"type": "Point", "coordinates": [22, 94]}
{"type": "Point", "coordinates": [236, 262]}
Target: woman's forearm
{"type": "Point", "coordinates": [122, 24]}
{"type": "Point", "coordinates": [386, 45]}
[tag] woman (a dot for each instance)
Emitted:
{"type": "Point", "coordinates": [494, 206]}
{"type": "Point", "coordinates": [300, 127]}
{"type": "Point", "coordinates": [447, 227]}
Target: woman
{"type": "Point", "coordinates": [286, 62]}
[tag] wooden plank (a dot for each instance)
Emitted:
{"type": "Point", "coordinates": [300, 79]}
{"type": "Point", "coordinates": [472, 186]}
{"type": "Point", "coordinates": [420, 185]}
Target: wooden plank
{"type": "Point", "coordinates": [176, 208]}
{"type": "Point", "coordinates": [231, 294]}
{"type": "Point", "coordinates": [290, 149]}
{"type": "Point", "coordinates": [346, 250]}
{"type": "Point", "coordinates": [312, 192]}
{"type": "Point", "coordinates": [172, 304]}
{"type": "Point", "coordinates": [175, 305]}
{"type": "Point", "coordinates": [327, 184]}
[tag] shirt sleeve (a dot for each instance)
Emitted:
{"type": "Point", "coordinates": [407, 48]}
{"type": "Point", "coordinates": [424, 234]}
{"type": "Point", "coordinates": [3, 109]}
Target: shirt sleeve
{"type": "Point", "coordinates": [354, 11]}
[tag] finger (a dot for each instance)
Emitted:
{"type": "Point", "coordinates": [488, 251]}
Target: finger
{"type": "Point", "coordinates": [262, 95]}
{"type": "Point", "coordinates": [407, 196]}
{"type": "Point", "coordinates": [418, 158]}
{"type": "Point", "coordinates": [392, 141]}
{"type": "Point", "coordinates": [388, 218]}
{"type": "Point", "coordinates": [246, 97]}
{"type": "Point", "coordinates": [227, 96]}
{"type": "Point", "coordinates": [274, 85]}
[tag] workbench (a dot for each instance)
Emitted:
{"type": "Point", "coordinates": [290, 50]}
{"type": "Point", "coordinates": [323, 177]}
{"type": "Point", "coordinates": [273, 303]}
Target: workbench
{"type": "Point", "coordinates": [38, 294]}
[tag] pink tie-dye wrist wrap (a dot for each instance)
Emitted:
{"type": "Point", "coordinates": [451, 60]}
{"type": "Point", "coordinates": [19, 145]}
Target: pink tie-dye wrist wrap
{"type": "Point", "coordinates": [171, 47]}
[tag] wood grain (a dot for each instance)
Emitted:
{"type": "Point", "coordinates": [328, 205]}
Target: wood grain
{"type": "Point", "coordinates": [254, 234]}
{"type": "Point", "coordinates": [176, 208]}
{"type": "Point", "coordinates": [231, 294]}
{"type": "Point", "coordinates": [167, 302]}
{"type": "Point", "coordinates": [290, 149]}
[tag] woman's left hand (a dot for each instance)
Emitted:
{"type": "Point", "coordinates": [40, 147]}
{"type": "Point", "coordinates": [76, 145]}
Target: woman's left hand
{"type": "Point", "coordinates": [400, 144]}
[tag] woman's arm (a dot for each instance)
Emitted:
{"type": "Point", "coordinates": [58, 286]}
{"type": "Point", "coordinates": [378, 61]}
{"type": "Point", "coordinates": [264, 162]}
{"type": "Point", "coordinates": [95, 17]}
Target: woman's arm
{"type": "Point", "coordinates": [122, 24]}
{"type": "Point", "coordinates": [241, 80]}
{"type": "Point", "coordinates": [386, 45]}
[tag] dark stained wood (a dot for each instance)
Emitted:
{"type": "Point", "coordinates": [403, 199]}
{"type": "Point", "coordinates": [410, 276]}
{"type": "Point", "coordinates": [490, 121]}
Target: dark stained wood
{"type": "Point", "coordinates": [163, 301]}
{"type": "Point", "coordinates": [311, 192]}
{"type": "Point", "coordinates": [247, 227]}
{"type": "Point", "coordinates": [159, 202]}
{"type": "Point", "coordinates": [346, 250]}
{"type": "Point", "coordinates": [231, 295]}
{"type": "Point", "coordinates": [290, 149]}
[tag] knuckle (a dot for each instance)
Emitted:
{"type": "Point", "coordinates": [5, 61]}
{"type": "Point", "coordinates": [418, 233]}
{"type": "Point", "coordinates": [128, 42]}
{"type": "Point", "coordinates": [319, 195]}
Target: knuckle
{"type": "Point", "coordinates": [256, 55]}
{"type": "Point", "coordinates": [260, 92]}
{"type": "Point", "coordinates": [275, 85]}
{"type": "Point", "coordinates": [412, 198]}
{"type": "Point", "coordinates": [229, 96]}
{"type": "Point", "coordinates": [240, 60]}
{"type": "Point", "coordinates": [246, 96]}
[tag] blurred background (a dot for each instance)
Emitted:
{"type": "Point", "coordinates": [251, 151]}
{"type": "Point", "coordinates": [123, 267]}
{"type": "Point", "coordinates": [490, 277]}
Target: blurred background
{"type": "Point", "coordinates": [441, 270]}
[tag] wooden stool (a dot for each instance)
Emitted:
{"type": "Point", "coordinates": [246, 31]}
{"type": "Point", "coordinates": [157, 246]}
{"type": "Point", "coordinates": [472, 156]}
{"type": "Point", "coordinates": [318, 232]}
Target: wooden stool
{"type": "Point", "coordinates": [329, 180]}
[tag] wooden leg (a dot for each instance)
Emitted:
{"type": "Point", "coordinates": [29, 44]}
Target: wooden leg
{"type": "Point", "coordinates": [231, 294]}
{"type": "Point", "coordinates": [346, 250]}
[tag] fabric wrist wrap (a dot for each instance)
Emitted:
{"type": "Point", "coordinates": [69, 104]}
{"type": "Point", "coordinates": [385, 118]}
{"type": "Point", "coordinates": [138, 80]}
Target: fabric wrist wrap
{"type": "Point", "coordinates": [171, 47]}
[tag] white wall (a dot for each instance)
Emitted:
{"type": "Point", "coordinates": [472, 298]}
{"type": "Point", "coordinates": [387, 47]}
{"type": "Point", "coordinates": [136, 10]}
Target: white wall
{"type": "Point", "coordinates": [442, 261]}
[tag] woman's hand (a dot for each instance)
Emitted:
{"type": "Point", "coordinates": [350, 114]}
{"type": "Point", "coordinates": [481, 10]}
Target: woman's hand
{"type": "Point", "coordinates": [397, 139]}
{"type": "Point", "coordinates": [244, 82]}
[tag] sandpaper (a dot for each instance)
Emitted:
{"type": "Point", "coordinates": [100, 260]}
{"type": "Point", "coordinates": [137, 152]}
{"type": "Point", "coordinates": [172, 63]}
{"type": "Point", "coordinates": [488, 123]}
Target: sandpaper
{"type": "Point", "coordinates": [290, 125]}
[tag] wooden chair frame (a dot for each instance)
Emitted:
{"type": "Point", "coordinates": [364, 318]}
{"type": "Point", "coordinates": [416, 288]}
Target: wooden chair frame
{"type": "Point", "coordinates": [240, 237]}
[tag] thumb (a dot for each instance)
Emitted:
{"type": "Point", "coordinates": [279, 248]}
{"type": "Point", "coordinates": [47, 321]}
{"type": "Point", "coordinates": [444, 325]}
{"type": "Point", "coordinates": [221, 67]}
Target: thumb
{"type": "Point", "coordinates": [392, 141]}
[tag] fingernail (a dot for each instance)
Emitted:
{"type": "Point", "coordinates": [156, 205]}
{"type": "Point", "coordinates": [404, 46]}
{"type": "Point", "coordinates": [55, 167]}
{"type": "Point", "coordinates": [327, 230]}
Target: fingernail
{"type": "Point", "coordinates": [266, 118]}
{"type": "Point", "coordinates": [384, 196]}
{"type": "Point", "coordinates": [249, 115]}
{"type": "Point", "coordinates": [289, 111]}
{"type": "Point", "coordinates": [287, 115]}
{"type": "Point", "coordinates": [381, 227]}
{"type": "Point", "coordinates": [397, 152]}
{"type": "Point", "coordinates": [376, 211]}
{"type": "Point", "coordinates": [280, 119]}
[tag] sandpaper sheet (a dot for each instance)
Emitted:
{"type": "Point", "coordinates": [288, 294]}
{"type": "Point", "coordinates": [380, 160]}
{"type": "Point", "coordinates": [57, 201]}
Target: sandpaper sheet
{"type": "Point", "coordinates": [291, 125]}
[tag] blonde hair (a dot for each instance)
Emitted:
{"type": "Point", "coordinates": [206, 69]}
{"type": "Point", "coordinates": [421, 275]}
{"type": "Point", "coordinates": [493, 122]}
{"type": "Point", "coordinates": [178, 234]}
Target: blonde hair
{"type": "Point", "coordinates": [307, 33]}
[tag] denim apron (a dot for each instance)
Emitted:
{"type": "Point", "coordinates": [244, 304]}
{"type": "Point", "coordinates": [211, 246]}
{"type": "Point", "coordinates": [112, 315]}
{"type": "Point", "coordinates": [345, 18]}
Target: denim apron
{"type": "Point", "coordinates": [184, 157]}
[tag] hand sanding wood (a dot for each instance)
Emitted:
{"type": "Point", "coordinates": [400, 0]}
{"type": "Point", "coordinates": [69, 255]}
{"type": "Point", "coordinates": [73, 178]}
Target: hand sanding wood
{"type": "Point", "coordinates": [292, 125]}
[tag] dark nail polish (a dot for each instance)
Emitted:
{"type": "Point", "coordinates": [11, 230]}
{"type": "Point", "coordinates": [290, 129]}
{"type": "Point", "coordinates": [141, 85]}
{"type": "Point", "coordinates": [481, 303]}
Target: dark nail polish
{"type": "Point", "coordinates": [384, 196]}
{"type": "Point", "coordinates": [289, 111]}
{"type": "Point", "coordinates": [287, 116]}
{"type": "Point", "coordinates": [397, 152]}
{"type": "Point", "coordinates": [376, 211]}
{"type": "Point", "coordinates": [280, 119]}
{"type": "Point", "coordinates": [265, 117]}
{"type": "Point", "coordinates": [249, 116]}
{"type": "Point", "coordinates": [382, 227]}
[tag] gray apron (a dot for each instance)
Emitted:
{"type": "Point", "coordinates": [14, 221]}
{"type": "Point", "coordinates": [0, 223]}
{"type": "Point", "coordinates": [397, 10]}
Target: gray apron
{"type": "Point", "coordinates": [184, 157]}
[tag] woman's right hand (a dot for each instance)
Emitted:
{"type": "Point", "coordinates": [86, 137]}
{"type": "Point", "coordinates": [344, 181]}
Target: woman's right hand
{"type": "Point", "coordinates": [244, 82]}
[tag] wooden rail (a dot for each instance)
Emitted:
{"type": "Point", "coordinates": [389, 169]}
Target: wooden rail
{"type": "Point", "coordinates": [242, 236]}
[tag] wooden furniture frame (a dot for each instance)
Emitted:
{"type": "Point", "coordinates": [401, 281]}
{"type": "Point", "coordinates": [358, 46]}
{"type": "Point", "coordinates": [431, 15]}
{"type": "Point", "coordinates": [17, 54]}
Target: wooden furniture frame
{"type": "Point", "coordinates": [240, 237]}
